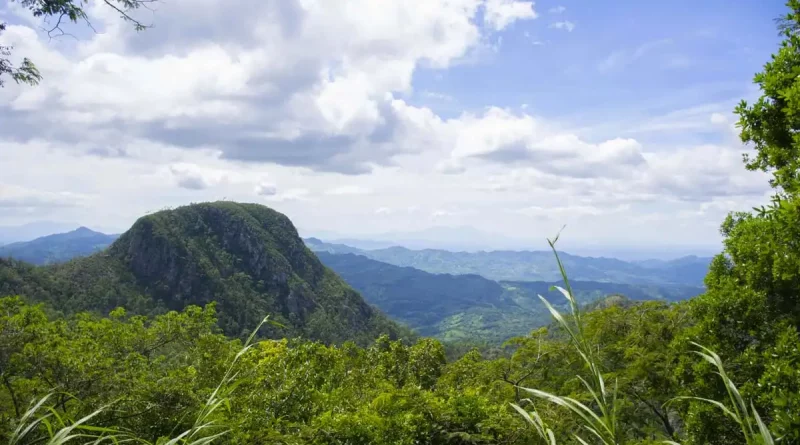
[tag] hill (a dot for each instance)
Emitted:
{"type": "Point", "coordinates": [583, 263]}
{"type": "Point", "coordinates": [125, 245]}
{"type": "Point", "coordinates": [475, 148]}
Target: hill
{"type": "Point", "coordinates": [59, 247]}
{"type": "Point", "coordinates": [534, 265]}
{"type": "Point", "coordinates": [32, 230]}
{"type": "Point", "coordinates": [453, 307]}
{"type": "Point", "coordinates": [246, 257]}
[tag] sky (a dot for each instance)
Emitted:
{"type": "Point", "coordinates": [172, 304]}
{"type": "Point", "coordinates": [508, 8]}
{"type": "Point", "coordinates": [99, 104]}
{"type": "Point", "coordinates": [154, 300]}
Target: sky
{"type": "Point", "coordinates": [500, 119]}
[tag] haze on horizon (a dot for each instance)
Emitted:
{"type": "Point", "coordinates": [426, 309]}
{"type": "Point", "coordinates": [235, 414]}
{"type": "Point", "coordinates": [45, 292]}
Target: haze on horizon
{"type": "Point", "coordinates": [502, 117]}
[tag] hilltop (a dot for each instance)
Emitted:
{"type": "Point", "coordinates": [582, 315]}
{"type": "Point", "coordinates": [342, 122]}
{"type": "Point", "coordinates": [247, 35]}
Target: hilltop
{"type": "Point", "coordinates": [247, 258]}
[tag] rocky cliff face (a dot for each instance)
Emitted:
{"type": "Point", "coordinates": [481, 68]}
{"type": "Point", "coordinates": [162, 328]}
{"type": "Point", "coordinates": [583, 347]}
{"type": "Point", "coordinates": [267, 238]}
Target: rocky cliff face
{"type": "Point", "coordinates": [247, 258]}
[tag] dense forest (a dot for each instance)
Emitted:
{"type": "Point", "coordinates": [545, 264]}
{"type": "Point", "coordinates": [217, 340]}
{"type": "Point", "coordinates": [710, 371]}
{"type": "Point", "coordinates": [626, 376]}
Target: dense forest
{"type": "Point", "coordinates": [161, 339]}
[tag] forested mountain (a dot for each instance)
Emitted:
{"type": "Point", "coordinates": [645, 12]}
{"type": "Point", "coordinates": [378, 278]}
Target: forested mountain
{"type": "Point", "coordinates": [453, 307]}
{"type": "Point", "coordinates": [58, 248]}
{"type": "Point", "coordinates": [446, 306]}
{"type": "Point", "coordinates": [246, 257]}
{"type": "Point", "coordinates": [532, 265]}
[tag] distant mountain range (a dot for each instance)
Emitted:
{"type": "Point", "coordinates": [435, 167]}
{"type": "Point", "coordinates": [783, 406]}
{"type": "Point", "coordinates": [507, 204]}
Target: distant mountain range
{"type": "Point", "coordinates": [455, 307]}
{"type": "Point", "coordinates": [493, 265]}
{"type": "Point", "coordinates": [26, 232]}
{"type": "Point", "coordinates": [533, 265]}
{"type": "Point", "coordinates": [450, 295]}
{"type": "Point", "coordinates": [59, 247]}
{"type": "Point", "coordinates": [471, 239]}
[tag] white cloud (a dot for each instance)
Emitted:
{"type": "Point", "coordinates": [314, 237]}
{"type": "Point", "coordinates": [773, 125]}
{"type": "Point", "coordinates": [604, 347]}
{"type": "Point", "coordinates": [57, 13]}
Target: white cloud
{"type": "Point", "coordinates": [295, 194]}
{"type": "Point", "coordinates": [565, 25]}
{"type": "Point", "coordinates": [557, 9]}
{"type": "Point", "coordinates": [14, 197]}
{"type": "Point", "coordinates": [306, 83]}
{"type": "Point", "coordinates": [506, 138]}
{"type": "Point", "coordinates": [442, 213]}
{"type": "Point", "coordinates": [213, 104]}
{"type": "Point", "coordinates": [348, 190]}
{"type": "Point", "coordinates": [718, 118]}
{"type": "Point", "coordinates": [450, 167]}
{"type": "Point", "coordinates": [194, 177]}
{"type": "Point", "coordinates": [565, 213]}
{"type": "Point", "coordinates": [266, 189]}
{"type": "Point", "coordinates": [501, 13]}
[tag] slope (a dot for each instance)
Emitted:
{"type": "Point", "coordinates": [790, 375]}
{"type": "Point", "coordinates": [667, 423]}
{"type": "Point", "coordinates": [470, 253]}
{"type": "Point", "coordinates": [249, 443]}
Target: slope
{"type": "Point", "coordinates": [59, 247]}
{"type": "Point", "coordinates": [454, 307]}
{"type": "Point", "coordinates": [246, 257]}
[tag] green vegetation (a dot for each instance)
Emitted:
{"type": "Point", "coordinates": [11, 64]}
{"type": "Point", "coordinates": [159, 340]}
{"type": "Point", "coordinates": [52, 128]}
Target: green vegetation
{"type": "Point", "coordinates": [246, 257]}
{"type": "Point", "coordinates": [464, 307]}
{"type": "Point", "coordinates": [532, 265]}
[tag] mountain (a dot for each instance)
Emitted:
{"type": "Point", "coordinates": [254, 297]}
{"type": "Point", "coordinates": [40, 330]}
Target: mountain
{"type": "Point", "coordinates": [29, 231]}
{"type": "Point", "coordinates": [58, 248]}
{"type": "Point", "coordinates": [454, 307]}
{"type": "Point", "coordinates": [246, 257]}
{"type": "Point", "coordinates": [318, 245]}
{"type": "Point", "coordinates": [425, 301]}
{"type": "Point", "coordinates": [535, 265]}
{"type": "Point", "coordinates": [437, 237]}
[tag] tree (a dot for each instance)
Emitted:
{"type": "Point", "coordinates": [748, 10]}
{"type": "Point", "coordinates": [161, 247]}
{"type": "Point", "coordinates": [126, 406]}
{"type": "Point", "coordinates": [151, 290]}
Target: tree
{"type": "Point", "coordinates": [750, 313]}
{"type": "Point", "coordinates": [771, 124]}
{"type": "Point", "coordinates": [56, 12]}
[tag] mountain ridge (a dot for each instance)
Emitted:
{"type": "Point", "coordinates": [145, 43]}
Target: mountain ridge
{"type": "Point", "coordinates": [459, 307]}
{"type": "Point", "coordinates": [526, 265]}
{"type": "Point", "coordinates": [59, 247]}
{"type": "Point", "coordinates": [245, 257]}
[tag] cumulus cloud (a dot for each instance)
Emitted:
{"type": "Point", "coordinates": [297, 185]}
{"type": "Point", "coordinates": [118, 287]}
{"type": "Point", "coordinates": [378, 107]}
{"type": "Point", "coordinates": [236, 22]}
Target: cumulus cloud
{"type": "Point", "coordinates": [503, 137]}
{"type": "Point", "coordinates": [306, 83]}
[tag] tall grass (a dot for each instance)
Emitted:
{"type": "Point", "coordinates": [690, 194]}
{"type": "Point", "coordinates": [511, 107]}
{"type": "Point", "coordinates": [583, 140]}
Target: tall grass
{"type": "Point", "coordinates": [600, 423]}
{"type": "Point", "coordinates": [59, 429]}
{"type": "Point", "coordinates": [754, 430]}
{"type": "Point", "coordinates": [56, 429]}
{"type": "Point", "coordinates": [601, 420]}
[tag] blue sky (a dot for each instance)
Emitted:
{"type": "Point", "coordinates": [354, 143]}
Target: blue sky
{"type": "Point", "coordinates": [361, 118]}
{"type": "Point", "coordinates": [627, 57]}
